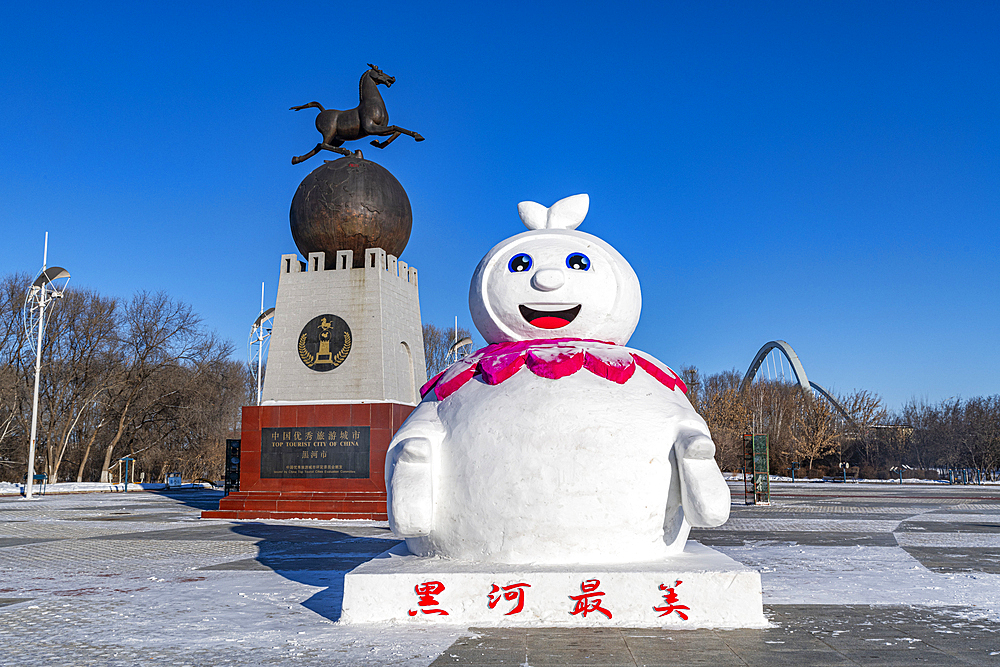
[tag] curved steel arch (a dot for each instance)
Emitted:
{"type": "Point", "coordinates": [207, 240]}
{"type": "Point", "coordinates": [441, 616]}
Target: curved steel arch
{"type": "Point", "coordinates": [804, 382]}
{"type": "Point", "coordinates": [793, 361]}
{"type": "Point", "coordinates": [834, 402]}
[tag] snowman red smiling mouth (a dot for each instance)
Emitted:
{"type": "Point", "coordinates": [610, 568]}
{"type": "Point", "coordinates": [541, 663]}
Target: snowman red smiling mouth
{"type": "Point", "coordinates": [549, 315]}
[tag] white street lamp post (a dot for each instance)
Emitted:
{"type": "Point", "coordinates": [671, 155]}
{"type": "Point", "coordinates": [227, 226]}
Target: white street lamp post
{"type": "Point", "coordinates": [30, 481]}
{"type": "Point", "coordinates": [40, 291]}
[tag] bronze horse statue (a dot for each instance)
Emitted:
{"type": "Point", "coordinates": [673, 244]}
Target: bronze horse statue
{"type": "Point", "coordinates": [369, 118]}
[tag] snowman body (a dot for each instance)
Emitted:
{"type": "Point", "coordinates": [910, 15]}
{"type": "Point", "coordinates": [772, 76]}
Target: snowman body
{"type": "Point", "coordinates": [575, 469]}
{"type": "Point", "coordinates": [555, 444]}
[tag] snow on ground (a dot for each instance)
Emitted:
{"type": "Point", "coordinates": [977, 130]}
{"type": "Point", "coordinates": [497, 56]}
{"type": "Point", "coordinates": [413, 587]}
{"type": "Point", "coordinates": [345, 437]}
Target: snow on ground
{"type": "Point", "coordinates": [794, 573]}
{"type": "Point", "coordinates": [862, 575]}
{"type": "Point", "coordinates": [104, 574]}
{"type": "Point", "coordinates": [100, 576]}
{"type": "Point", "coordinates": [8, 489]}
{"type": "Point", "coordinates": [738, 477]}
{"type": "Point", "coordinates": [254, 619]}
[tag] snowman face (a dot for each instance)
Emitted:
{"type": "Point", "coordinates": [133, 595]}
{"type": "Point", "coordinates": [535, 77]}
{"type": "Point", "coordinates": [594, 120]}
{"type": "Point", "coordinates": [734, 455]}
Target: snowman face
{"type": "Point", "coordinates": [554, 283]}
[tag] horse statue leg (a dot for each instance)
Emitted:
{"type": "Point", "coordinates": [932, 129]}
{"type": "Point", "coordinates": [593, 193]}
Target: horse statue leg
{"type": "Point", "coordinates": [395, 131]}
{"type": "Point", "coordinates": [383, 144]}
{"type": "Point", "coordinates": [337, 149]}
{"type": "Point", "coordinates": [302, 158]}
{"type": "Point", "coordinates": [321, 147]}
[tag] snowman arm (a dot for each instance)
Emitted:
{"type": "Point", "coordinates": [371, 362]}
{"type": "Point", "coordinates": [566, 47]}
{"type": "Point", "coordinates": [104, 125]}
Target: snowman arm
{"type": "Point", "coordinates": [409, 466]}
{"type": "Point", "coordinates": [704, 492]}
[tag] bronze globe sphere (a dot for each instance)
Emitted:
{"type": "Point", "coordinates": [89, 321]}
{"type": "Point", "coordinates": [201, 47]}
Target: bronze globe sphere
{"type": "Point", "coordinates": [350, 204]}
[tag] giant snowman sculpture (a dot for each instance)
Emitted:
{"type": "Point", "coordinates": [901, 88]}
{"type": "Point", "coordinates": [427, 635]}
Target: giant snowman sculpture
{"type": "Point", "coordinates": [556, 444]}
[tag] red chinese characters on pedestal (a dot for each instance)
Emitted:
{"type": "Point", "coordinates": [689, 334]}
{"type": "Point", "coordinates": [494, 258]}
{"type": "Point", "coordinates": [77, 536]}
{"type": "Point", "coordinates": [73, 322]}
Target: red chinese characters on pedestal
{"type": "Point", "coordinates": [671, 599]}
{"type": "Point", "coordinates": [509, 593]}
{"type": "Point", "coordinates": [425, 598]}
{"type": "Point", "coordinates": [590, 600]}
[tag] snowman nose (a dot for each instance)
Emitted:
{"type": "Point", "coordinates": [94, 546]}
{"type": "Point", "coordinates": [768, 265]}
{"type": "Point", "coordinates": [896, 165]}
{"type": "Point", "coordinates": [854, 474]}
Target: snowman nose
{"type": "Point", "coordinates": [547, 280]}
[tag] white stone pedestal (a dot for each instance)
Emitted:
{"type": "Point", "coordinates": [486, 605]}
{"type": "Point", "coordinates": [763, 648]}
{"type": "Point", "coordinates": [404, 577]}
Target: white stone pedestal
{"type": "Point", "coordinates": [708, 588]}
{"type": "Point", "coordinates": [380, 304]}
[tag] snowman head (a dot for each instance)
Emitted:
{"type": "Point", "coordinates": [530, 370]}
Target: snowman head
{"type": "Point", "coordinates": [554, 281]}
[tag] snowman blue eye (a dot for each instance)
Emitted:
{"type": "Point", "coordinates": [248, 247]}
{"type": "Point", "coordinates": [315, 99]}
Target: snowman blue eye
{"type": "Point", "coordinates": [578, 261]}
{"type": "Point", "coordinates": [519, 263]}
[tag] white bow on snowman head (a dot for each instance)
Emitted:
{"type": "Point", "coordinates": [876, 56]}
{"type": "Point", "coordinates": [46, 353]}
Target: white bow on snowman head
{"type": "Point", "coordinates": [566, 213]}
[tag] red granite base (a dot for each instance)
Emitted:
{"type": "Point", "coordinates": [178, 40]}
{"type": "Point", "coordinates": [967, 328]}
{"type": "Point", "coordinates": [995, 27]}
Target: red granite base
{"type": "Point", "coordinates": [312, 498]}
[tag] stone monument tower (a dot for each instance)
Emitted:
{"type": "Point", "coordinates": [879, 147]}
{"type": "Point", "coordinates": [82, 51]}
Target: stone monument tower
{"type": "Point", "coordinates": [346, 358]}
{"type": "Point", "coordinates": [347, 323]}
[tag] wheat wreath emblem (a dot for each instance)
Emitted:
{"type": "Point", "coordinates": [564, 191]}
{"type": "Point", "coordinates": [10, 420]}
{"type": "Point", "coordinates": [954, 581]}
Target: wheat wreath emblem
{"type": "Point", "coordinates": [308, 359]}
{"type": "Point", "coordinates": [338, 358]}
{"type": "Point", "coordinates": [314, 360]}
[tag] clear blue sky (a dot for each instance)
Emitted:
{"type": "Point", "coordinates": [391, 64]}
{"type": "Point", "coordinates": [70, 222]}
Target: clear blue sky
{"type": "Point", "coordinates": [822, 172]}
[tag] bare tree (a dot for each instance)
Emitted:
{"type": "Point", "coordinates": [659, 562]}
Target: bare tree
{"type": "Point", "coordinates": [717, 399]}
{"type": "Point", "coordinates": [437, 342]}
{"type": "Point", "coordinates": [140, 378]}
{"type": "Point", "coordinates": [815, 433]}
{"type": "Point", "coordinates": [157, 334]}
{"type": "Point", "coordinates": [187, 431]}
{"type": "Point", "coordinates": [80, 345]}
{"type": "Point", "coordinates": [952, 433]}
{"type": "Point", "coordinates": [772, 408]}
{"type": "Point", "coordinates": [14, 395]}
{"type": "Point", "coordinates": [982, 432]}
{"type": "Point", "coordinates": [867, 412]}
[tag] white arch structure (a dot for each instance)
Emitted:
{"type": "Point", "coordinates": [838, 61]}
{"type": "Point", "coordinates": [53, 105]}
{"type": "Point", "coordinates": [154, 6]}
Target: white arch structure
{"type": "Point", "coordinates": [804, 382]}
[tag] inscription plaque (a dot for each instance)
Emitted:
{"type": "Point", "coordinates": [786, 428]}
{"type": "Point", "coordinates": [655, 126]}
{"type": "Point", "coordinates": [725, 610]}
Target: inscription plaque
{"type": "Point", "coordinates": [335, 452]}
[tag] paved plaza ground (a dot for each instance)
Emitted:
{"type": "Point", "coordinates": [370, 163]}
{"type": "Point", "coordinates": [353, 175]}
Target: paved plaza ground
{"type": "Point", "coordinates": [853, 574]}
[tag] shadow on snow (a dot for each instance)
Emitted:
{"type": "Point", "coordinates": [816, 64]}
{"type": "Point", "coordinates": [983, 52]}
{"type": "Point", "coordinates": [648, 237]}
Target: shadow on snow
{"type": "Point", "coordinates": [312, 556]}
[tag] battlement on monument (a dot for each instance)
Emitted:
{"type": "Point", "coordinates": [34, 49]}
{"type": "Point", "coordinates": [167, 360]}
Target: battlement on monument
{"type": "Point", "coordinates": [377, 263]}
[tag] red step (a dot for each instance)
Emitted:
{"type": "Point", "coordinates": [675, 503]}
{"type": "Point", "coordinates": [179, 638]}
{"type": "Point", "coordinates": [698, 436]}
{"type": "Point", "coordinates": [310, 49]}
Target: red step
{"type": "Point", "coordinates": [301, 505]}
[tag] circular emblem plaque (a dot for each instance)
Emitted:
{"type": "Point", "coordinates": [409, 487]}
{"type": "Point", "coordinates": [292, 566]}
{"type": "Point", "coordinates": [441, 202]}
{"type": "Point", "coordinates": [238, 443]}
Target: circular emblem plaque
{"type": "Point", "coordinates": [324, 342]}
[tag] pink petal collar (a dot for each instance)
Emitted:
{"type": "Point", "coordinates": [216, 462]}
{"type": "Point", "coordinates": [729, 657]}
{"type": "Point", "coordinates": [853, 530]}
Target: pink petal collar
{"type": "Point", "coordinates": [551, 358]}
